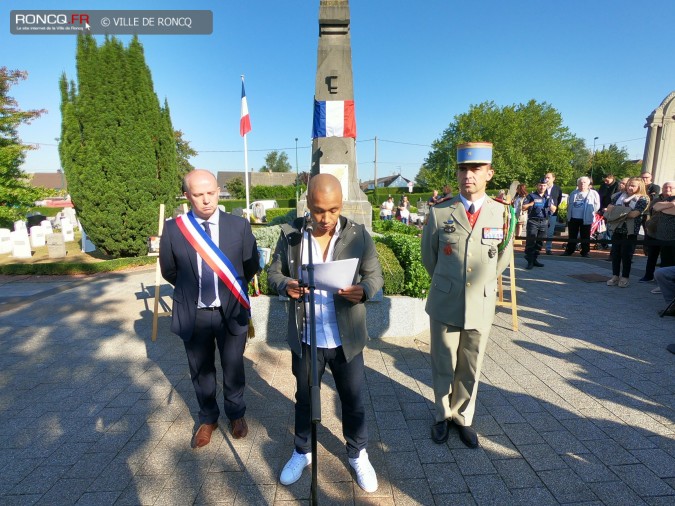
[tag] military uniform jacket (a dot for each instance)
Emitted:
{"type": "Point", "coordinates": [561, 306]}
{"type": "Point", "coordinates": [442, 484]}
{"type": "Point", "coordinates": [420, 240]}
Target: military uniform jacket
{"type": "Point", "coordinates": [463, 263]}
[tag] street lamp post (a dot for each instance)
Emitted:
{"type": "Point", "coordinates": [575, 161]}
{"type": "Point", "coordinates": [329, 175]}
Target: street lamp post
{"type": "Point", "coordinates": [297, 175]}
{"type": "Point", "coordinates": [593, 159]}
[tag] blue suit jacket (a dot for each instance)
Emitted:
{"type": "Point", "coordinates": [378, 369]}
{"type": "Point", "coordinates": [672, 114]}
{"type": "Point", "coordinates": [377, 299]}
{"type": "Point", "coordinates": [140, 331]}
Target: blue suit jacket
{"type": "Point", "coordinates": [178, 262]}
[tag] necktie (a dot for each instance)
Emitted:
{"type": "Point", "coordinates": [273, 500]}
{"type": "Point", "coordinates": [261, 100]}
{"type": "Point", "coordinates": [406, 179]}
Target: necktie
{"type": "Point", "coordinates": [472, 209]}
{"type": "Point", "coordinates": [208, 293]}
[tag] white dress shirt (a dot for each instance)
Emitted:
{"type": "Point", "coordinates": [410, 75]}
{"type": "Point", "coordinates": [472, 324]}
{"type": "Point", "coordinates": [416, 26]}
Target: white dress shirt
{"type": "Point", "coordinates": [327, 332]}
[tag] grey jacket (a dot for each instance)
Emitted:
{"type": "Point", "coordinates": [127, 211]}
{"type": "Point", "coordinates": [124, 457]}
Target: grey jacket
{"type": "Point", "coordinates": [353, 242]}
{"type": "Point", "coordinates": [591, 205]}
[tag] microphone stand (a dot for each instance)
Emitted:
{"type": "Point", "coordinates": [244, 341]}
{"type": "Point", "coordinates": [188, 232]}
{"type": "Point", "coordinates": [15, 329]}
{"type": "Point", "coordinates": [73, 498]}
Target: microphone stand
{"type": "Point", "coordinates": [315, 391]}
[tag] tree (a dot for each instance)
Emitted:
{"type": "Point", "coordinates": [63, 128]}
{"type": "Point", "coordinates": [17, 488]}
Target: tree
{"type": "Point", "coordinates": [16, 193]}
{"type": "Point", "coordinates": [529, 140]}
{"type": "Point", "coordinates": [613, 160]}
{"type": "Point", "coordinates": [184, 152]}
{"type": "Point", "coordinates": [236, 188]}
{"type": "Point", "coordinates": [276, 162]}
{"type": "Point", "coordinates": [117, 147]}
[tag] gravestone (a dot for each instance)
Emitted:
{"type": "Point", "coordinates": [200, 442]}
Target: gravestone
{"type": "Point", "coordinates": [37, 236]}
{"type": "Point", "coordinates": [87, 245]}
{"type": "Point", "coordinates": [69, 214]}
{"type": "Point", "coordinates": [67, 230]}
{"type": "Point", "coordinates": [56, 246]}
{"type": "Point", "coordinates": [47, 226]}
{"type": "Point", "coordinates": [21, 245]}
{"type": "Point", "coordinates": [19, 226]}
{"type": "Point", "coordinates": [6, 244]}
{"type": "Point", "coordinates": [56, 221]}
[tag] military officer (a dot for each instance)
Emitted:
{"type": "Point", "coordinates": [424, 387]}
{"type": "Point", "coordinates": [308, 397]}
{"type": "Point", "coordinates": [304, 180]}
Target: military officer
{"type": "Point", "coordinates": [460, 250]}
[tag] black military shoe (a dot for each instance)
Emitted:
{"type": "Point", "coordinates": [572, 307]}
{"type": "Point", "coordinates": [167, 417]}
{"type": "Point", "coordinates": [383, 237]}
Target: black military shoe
{"type": "Point", "coordinates": [537, 263]}
{"type": "Point", "coordinates": [530, 264]}
{"type": "Point", "coordinates": [468, 435]}
{"type": "Point", "coordinates": [439, 432]}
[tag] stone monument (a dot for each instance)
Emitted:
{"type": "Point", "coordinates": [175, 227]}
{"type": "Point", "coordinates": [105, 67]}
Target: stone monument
{"type": "Point", "coordinates": [37, 236]}
{"type": "Point", "coordinates": [659, 156]}
{"type": "Point", "coordinates": [20, 245]}
{"type": "Point", "coordinates": [56, 246]}
{"type": "Point", "coordinates": [67, 230]}
{"type": "Point", "coordinates": [47, 226]}
{"type": "Point", "coordinates": [334, 127]}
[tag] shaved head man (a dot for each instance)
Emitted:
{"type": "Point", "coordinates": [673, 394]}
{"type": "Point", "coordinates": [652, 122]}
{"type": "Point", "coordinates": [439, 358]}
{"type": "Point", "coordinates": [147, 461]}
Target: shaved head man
{"type": "Point", "coordinates": [340, 320]}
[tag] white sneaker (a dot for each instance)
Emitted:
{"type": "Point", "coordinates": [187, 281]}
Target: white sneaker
{"type": "Point", "coordinates": [656, 290]}
{"type": "Point", "coordinates": [294, 467]}
{"type": "Point", "coordinates": [614, 281]}
{"type": "Point", "coordinates": [365, 474]}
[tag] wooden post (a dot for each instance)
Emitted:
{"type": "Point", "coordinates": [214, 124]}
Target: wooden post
{"type": "Point", "coordinates": [158, 279]}
{"type": "Point", "coordinates": [512, 282]}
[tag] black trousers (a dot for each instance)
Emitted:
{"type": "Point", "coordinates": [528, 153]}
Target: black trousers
{"type": "Point", "coordinates": [576, 228]}
{"type": "Point", "coordinates": [535, 235]}
{"type": "Point", "coordinates": [655, 248]}
{"type": "Point", "coordinates": [348, 378]}
{"type": "Point", "coordinates": [623, 248]}
{"type": "Point", "coordinates": [211, 329]}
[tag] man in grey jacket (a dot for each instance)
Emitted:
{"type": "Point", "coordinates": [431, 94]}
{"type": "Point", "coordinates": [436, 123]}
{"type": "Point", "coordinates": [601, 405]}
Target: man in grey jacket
{"type": "Point", "coordinates": [341, 332]}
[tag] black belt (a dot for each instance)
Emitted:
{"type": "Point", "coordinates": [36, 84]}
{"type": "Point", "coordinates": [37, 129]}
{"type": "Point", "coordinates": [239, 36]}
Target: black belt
{"type": "Point", "coordinates": [216, 308]}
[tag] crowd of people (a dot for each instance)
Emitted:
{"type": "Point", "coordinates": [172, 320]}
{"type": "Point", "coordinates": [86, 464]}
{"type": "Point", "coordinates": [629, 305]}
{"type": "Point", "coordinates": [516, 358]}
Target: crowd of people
{"type": "Point", "coordinates": [389, 210]}
{"type": "Point", "coordinates": [611, 217]}
{"type": "Point", "coordinates": [617, 213]}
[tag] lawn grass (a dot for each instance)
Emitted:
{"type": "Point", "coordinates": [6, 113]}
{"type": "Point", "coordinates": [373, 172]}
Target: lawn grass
{"type": "Point", "coordinates": [75, 262]}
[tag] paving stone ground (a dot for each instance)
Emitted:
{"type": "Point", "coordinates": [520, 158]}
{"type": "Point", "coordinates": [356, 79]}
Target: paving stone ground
{"type": "Point", "coordinates": [574, 408]}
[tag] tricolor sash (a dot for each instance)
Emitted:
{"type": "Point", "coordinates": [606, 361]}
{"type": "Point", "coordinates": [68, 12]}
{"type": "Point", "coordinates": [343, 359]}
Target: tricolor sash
{"type": "Point", "coordinates": [213, 256]}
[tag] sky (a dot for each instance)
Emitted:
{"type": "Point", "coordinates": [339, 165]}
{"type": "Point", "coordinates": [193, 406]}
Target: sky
{"type": "Point", "coordinates": [605, 65]}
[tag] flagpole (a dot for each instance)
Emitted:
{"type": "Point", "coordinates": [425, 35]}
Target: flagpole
{"type": "Point", "coordinates": [246, 172]}
{"type": "Point", "coordinates": [245, 133]}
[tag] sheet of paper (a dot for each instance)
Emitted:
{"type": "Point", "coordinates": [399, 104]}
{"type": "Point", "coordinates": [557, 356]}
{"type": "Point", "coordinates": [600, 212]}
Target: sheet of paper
{"type": "Point", "coordinates": [334, 276]}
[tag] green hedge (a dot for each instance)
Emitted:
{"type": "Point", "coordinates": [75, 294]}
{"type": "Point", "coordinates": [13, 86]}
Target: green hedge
{"type": "Point", "coordinates": [262, 283]}
{"type": "Point", "coordinates": [231, 204]}
{"type": "Point", "coordinates": [49, 212]}
{"type": "Point", "coordinates": [272, 214]}
{"type": "Point", "coordinates": [393, 274]}
{"type": "Point", "coordinates": [394, 226]}
{"type": "Point", "coordinates": [408, 250]}
{"type": "Point", "coordinates": [63, 268]}
{"type": "Point", "coordinates": [267, 237]}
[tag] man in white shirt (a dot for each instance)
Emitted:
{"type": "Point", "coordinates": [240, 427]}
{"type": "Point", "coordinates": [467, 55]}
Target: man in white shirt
{"type": "Point", "coordinates": [340, 320]}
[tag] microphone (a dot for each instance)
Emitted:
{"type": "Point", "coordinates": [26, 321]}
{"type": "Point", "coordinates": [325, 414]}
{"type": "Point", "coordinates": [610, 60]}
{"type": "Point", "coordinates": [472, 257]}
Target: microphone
{"type": "Point", "coordinates": [309, 224]}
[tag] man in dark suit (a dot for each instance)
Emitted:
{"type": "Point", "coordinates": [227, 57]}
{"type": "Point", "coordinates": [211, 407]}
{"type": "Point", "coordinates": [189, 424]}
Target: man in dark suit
{"type": "Point", "coordinates": [204, 308]}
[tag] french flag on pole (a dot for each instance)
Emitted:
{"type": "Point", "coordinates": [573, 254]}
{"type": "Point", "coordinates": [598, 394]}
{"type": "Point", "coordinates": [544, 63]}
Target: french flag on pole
{"type": "Point", "coordinates": [334, 118]}
{"type": "Point", "coordinates": [245, 121]}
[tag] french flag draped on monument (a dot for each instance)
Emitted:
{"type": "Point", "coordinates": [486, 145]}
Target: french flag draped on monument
{"type": "Point", "coordinates": [245, 121]}
{"type": "Point", "coordinates": [334, 118]}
